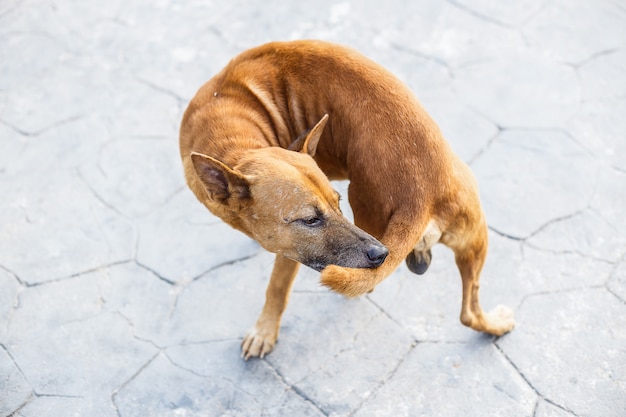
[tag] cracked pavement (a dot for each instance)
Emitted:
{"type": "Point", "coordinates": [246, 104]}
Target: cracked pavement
{"type": "Point", "coordinates": [121, 296]}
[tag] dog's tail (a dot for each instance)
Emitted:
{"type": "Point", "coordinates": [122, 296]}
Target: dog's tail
{"type": "Point", "coordinates": [399, 238]}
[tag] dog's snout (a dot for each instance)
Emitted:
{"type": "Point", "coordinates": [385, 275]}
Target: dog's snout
{"type": "Point", "coordinates": [376, 255]}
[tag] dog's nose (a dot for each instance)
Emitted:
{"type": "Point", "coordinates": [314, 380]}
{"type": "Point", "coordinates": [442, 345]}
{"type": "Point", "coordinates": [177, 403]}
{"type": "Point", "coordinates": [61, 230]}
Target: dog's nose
{"type": "Point", "coordinates": [376, 255]}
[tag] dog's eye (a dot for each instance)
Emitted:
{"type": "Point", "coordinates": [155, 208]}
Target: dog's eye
{"type": "Point", "coordinates": [312, 221]}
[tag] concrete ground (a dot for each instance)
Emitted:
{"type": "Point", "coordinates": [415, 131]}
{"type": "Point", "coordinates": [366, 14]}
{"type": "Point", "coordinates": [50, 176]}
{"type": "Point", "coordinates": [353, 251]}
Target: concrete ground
{"type": "Point", "coordinates": [120, 295]}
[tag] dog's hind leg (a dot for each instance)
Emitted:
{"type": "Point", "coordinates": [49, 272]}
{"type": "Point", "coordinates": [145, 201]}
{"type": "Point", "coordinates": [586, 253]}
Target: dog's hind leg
{"type": "Point", "coordinates": [470, 253]}
{"type": "Point", "coordinates": [260, 340]}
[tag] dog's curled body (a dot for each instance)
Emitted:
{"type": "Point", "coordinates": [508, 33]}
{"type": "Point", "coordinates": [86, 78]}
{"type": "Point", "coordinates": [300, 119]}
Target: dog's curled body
{"type": "Point", "coordinates": [407, 188]}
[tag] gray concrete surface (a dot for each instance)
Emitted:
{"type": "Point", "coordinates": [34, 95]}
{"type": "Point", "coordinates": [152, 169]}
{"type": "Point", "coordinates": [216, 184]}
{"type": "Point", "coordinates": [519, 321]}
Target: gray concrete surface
{"type": "Point", "coordinates": [121, 296]}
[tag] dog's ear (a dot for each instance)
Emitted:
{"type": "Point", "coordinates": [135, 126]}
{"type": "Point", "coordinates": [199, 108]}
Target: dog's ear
{"type": "Point", "coordinates": [220, 181]}
{"type": "Point", "coordinates": [307, 143]}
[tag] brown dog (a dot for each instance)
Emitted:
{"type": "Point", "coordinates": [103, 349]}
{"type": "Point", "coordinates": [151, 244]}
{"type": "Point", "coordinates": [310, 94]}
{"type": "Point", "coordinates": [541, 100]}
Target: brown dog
{"type": "Point", "coordinates": [260, 140]}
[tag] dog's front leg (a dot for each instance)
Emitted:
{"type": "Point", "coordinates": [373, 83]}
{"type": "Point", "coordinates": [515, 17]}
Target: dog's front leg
{"type": "Point", "coordinates": [260, 340]}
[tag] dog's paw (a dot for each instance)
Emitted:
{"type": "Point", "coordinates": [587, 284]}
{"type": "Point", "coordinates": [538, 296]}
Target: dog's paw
{"type": "Point", "coordinates": [350, 282]}
{"type": "Point", "coordinates": [257, 343]}
{"type": "Point", "coordinates": [501, 320]}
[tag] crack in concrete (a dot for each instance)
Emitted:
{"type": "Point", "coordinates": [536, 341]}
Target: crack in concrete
{"type": "Point", "coordinates": [601, 215]}
{"type": "Point", "coordinates": [537, 400]}
{"type": "Point", "coordinates": [164, 348]}
{"type": "Point", "coordinates": [578, 143]}
{"type": "Point", "coordinates": [558, 130]}
{"type": "Point", "coordinates": [250, 395]}
{"type": "Point", "coordinates": [177, 365]}
{"type": "Point", "coordinates": [227, 263]}
{"type": "Point", "coordinates": [480, 16]}
{"type": "Point", "coordinates": [21, 407]}
{"type": "Point", "coordinates": [568, 252]}
{"type": "Point", "coordinates": [85, 319]}
{"type": "Point", "coordinates": [32, 394]}
{"type": "Point", "coordinates": [619, 298]}
{"type": "Point", "coordinates": [236, 388]}
{"type": "Point", "coordinates": [536, 13]}
{"type": "Point", "coordinates": [101, 151]}
{"type": "Point", "coordinates": [99, 197]}
{"type": "Point", "coordinates": [594, 56]}
{"type": "Point", "coordinates": [35, 133]}
{"type": "Point", "coordinates": [44, 34]}
{"type": "Point", "coordinates": [616, 265]}
{"type": "Point", "coordinates": [501, 389]}
{"type": "Point", "coordinates": [450, 342]}
{"type": "Point", "coordinates": [499, 128]}
{"type": "Point", "coordinates": [178, 287]}
{"type": "Point", "coordinates": [185, 283]}
{"type": "Point", "coordinates": [134, 330]}
{"type": "Point", "coordinates": [136, 245]}
{"type": "Point", "coordinates": [16, 300]}
{"type": "Point", "coordinates": [155, 273]}
{"type": "Point", "coordinates": [384, 380]}
{"type": "Point", "coordinates": [221, 35]}
{"type": "Point", "coordinates": [527, 381]}
{"type": "Point", "coordinates": [531, 17]}
{"type": "Point", "coordinates": [206, 342]}
{"type": "Point", "coordinates": [503, 129]}
{"type": "Point", "coordinates": [426, 57]}
{"type": "Point", "coordinates": [293, 387]}
{"type": "Point", "coordinates": [77, 274]}
{"type": "Point", "coordinates": [122, 216]}
{"type": "Point", "coordinates": [524, 239]}
{"type": "Point", "coordinates": [542, 227]}
{"type": "Point", "coordinates": [383, 311]}
{"type": "Point", "coordinates": [355, 341]}
{"type": "Point", "coordinates": [558, 291]}
{"type": "Point", "coordinates": [128, 381]}
{"type": "Point", "coordinates": [365, 325]}
{"type": "Point", "coordinates": [554, 221]}
{"type": "Point", "coordinates": [162, 90]}
{"type": "Point", "coordinates": [507, 235]}
{"type": "Point", "coordinates": [166, 200]}
{"type": "Point", "coordinates": [485, 148]}
{"type": "Point", "coordinates": [498, 22]}
{"type": "Point", "coordinates": [59, 396]}
{"type": "Point", "coordinates": [347, 349]}
{"type": "Point", "coordinates": [620, 170]}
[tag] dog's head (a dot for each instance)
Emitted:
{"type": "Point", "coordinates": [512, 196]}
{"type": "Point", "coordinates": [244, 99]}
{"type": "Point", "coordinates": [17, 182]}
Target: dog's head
{"type": "Point", "coordinates": [284, 201]}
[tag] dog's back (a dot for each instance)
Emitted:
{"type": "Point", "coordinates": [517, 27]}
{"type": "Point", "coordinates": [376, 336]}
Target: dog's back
{"type": "Point", "coordinates": [377, 129]}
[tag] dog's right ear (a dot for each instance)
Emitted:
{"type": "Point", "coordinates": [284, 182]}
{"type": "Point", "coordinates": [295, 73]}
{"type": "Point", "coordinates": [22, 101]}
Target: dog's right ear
{"type": "Point", "coordinates": [220, 181]}
{"type": "Point", "coordinates": [307, 143]}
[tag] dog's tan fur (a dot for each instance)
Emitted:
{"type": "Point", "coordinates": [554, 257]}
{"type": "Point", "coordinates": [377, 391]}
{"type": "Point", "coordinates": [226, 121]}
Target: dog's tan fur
{"type": "Point", "coordinates": [238, 142]}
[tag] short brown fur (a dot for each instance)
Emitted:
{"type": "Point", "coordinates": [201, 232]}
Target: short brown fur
{"type": "Point", "coordinates": [407, 188]}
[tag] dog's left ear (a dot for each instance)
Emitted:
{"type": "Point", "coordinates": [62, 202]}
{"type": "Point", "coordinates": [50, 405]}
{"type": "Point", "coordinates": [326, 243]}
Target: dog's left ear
{"type": "Point", "coordinates": [308, 143]}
